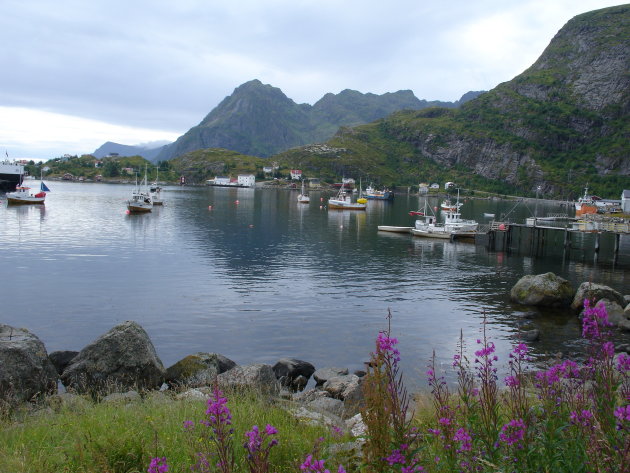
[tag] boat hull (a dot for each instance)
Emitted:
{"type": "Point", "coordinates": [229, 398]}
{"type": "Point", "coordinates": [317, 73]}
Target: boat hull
{"type": "Point", "coordinates": [585, 209]}
{"type": "Point", "coordinates": [25, 201]}
{"type": "Point", "coordinates": [431, 234]}
{"type": "Point", "coordinates": [137, 208]}
{"type": "Point", "coordinates": [393, 229]}
{"type": "Point", "coordinates": [346, 206]}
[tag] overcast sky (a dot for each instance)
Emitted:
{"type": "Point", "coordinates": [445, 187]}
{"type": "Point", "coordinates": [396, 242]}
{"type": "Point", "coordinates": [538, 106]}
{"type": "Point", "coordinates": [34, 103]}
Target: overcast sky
{"type": "Point", "coordinates": [75, 73]}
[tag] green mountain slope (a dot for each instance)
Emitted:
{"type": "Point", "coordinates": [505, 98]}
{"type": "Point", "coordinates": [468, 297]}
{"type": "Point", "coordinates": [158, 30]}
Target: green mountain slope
{"type": "Point", "coordinates": [560, 124]}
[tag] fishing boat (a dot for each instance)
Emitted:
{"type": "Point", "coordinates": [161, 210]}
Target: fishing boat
{"type": "Point", "coordinates": [585, 204]}
{"type": "Point", "coordinates": [428, 226]}
{"type": "Point", "coordinates": [449, 206]}
{"type": "Point", "coordinates": [22, 195]}
{"type": "Point", "coordinates": [343, 201]}
{"type": "Point", "coordinates": [373, 194]}
{"type": "Point", "coordinates": [11, 174]}
{"type": "Point", "coordinates": [394, 229]}
{"type": "Point", "coordinates": [156, 191]}
{"type": "Point", "coordinates": [303, 197]}
{"type": "Point", "coordinates": [140, 201]}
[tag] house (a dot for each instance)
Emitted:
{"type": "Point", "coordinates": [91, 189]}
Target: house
{"type": "Point", "coordinates": [435, 185]}
{"type": "Point", "coordinates": [246, 180]}
{"type": "Point", "coordinates": [296, 174]}
{"type": "Point", "coordinates": [625, 201]}
{"type": "Point", "coordinates": [423, 188]}
{"type": "Point", "coordinates": [67, 177]}
{"type": "Point", "coordinates": [267, 169]}
{"type": "Point", "coordinates": [128, 170]}
{"type": "Point", "coordinates": [448, 185]}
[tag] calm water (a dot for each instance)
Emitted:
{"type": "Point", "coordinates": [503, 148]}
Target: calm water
{"type": "Point", "coordinates": [266, 278]}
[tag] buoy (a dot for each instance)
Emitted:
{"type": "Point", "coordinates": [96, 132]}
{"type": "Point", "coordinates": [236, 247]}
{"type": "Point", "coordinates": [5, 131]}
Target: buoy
{"type": "Point", "coordinates": [321, 199]}
{"type": "Point", "coordinates": [435, 208]}
{"type": "Point", "coordinates": [209, 207]}
{"type": "Point", "coordinates": [251, 226]}
{"type": "Point", "coordinates": [321, 207]}
{"type": "Point", "coordinates": [236, 202]}
{"type": "Point", "coordinates": [127, 212]}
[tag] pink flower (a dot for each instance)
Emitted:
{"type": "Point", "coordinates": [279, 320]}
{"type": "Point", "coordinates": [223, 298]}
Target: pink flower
{"type": "Point", "coordinates": [158, 465]}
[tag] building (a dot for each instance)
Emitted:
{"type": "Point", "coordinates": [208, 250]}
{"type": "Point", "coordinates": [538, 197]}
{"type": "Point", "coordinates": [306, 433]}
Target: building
{"type": "Point", "coordinates": [246, 180]}
{"type": "Point", "coordinates": [296, 174]}
{"type": "Point", "coordinates": [625, 201]}
{"type": "Point", "coordinates": [423, 188]}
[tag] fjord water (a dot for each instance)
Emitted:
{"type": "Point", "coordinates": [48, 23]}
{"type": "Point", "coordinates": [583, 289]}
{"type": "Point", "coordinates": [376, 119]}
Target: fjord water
{"type": "Point", "coordinates": [255, 276]}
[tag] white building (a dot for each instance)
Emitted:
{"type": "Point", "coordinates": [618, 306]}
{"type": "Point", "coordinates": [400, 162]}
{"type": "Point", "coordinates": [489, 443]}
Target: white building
{"type": "Point", "coordinates": [296, 174]}
{"type": "Point", "coordinates": [625, 201]}
{"type": "Point", "coordinates": [246, 180]}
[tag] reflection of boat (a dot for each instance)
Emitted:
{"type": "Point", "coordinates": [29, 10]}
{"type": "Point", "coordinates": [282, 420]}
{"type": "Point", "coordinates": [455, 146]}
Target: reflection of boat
{"type": "Point", "coordinates": [585, 204]}
{"type": "Point", "coordinates": [343, 201]}
{"type": "Point", "coordinates": [156, 191]}
{"type": "Point", "coordinates": [11, 175]}
{"type": "Point", "coordinates": [372, 193]}
{"type": "Point", "coordinates": [393, 229]}
{"type": "Point", "coordinates": [303, 198]}
{"type": "Point", "coordinates": [23, 196]}
{"type": "Point", "coordinates": [140, 201]}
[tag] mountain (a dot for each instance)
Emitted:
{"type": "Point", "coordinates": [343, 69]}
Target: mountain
{"type": "Point", "coordinates": [260, 120]}
{"type": "Point", "coordinates": [148, 151]}
{"type": "Point", "coordinates": [562, 123]}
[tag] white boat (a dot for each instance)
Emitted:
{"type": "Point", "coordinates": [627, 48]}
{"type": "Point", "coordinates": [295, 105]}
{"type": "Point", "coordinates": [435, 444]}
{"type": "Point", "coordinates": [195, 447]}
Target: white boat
{"type": "Point", "coordinates": [585, 204]}
{"type": "Point", "coordinates": [488, 215]}
{"type": "Point", "coordinates": [303, 198]}
{"type": "Point", "coordinates": [22, 195]}
{"type": "Point", "coordinates": [373, 194]}
{"type": "Point", "coordinates": [343, 201]}
{"type": "Point", "coordinates": [454, 223]}
{"type": "Point", "coordinates": [449, 206]}
{"type": "Point", "coordinates": [156, 191]}
{"type": "Point", "coordinates": [394, 229]}
{"type": "Point", "coordinates": [428, 226]}
{"type": "Point", "coordinates": [11, 174]}
{"type": "Point", "coordinates": [140, 201]}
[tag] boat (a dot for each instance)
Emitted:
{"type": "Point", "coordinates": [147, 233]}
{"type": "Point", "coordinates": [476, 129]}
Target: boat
{"type": "Point", "coordinates": [372, 193]}
{"type": "Point", "coordinates": [585, 204]}
{"type": "Point", "coordinates": [428, 226]}
{"type": "Point", "coordinates": [11, 175]}
{"type": "Point", "coordinates": [454, 222]}
{"type": "Point", "coordinates": [22, 195]}
{"type": "Point", "coordinates": [156, 191]}
{"type": "Point", "coordinates": [416, 212]}
{"type": "Point", "coordinates": [140, 201]}
{"type": "Point", "coordinates": [394, 229]}
{"type": "Point", "coordinates": [343, 201]}
{"type": "Point", "coordinates": [303, 198]}
{"type": "Point", "coordinates": [449, 206]}
{"type": "Point", "coordinates": [488, 215]}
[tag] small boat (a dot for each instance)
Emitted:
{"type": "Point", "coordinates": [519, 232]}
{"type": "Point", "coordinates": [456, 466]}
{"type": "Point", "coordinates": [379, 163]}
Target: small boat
{"type": "Point", "coordinates": [454, 223]}
{"type": "Point", "coordinates": [140, 201]}
{"type": "Point", "coordinates": [156, 191]}
{"type": "Point", "coordinates": [429, 227]}
{"type": "Point", "coordinates": [393, 229]}
{"type": "Point", "coordinates": [343, 201]}
{"type": "Point", "coordinates": [488, 215]}
{"type": "Point", "coordinates": [303, 197]}
{"type": "Point", "coordinates": [372, 193]}
{"type": "Point", "coordinates": [448, 206]}
{"type": "Point", "coordinates": [23, 196]}
{"type": "Point", "coordinates": [585, 204]}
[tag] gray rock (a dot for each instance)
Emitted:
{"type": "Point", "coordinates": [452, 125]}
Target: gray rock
{"type": "Point", "coordinates": [25, 369]}
{"type": "Point", "coordinates": [61, 359]}
{"type": "Point", "coordinates": [340, 386]}
{"type": "Point", "coordinates": [309, 395]}
{"type": "Point", "coordinates": [356, 426]}
{"type": "Point", "coordinates": [123, 358]}
{"type": "Point", "coordinates": [529, 335]}
{"type": "Point", "coordinates": [595, 292]}
{"type": "Point", "coordinates": [294, 373]}
{"type": "Point", "coordinates": [615, 312]}
{"type": "Point", "coordinates": [353, 399]}
{"type": "Point", "coordinates": [546, 290]}
{"type": "Point", "coordinates": [257, 377]}
{"type": "Point", "coordinates": [200, 369]}
{"type": "Point", "coordinates": [626, 311]}
{"type": "Point", "coordinates": [327, 405]}
{"type": "Point", "coordinates": [324, 374]}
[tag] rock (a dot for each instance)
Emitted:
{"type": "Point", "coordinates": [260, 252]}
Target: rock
{"type": "Point", "coordinates": [626, 299]}
{"type": "Point", "coordinates": [323, 374]}
{"type": "Point", "coordinates": [61, 359]}
{"type": "Point", "coordinates": [317, 418]}
{"type": "Point", "coordinates": [615, 312]}
{"type": "Point", "coordinates": [294, 373]}
{"type": "Point", "coordinates": [327, 405]}
{"type": "Point", "coordinates": [356, 426]}
{"type": "Point", "coordinates": [193, 395]}
{"type": "Point", "coordinates": [258, 377]}
{"type": "Point", "coordinates": [200, 369]}
{"type": "Point", "coordinates": [546, 290]}
{"type": "Point", "coordinates": [25, 369]}
{"type": "Point", "coordinates": [123, 358]}
{"type": "Point", "coordinates": [340, 386]}
{"type": "Point", "coordinates": [595, 292]}
{"type": "Point", "coordinates": [353, 399]}
{"type": "Point", "coordinates": [626, 311]}
{"type": "Point", "coordinates": [309, 395]}
{"type": "Point", "coordinates": [529, 335]}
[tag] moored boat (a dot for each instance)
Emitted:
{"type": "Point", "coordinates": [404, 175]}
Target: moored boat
{"type": "Point", "coordinates": [156, 191]}
{"type": "Point", "coordinates": [22, 195]}
{"type": "Point", "coordinates": [343, 201]}
{"type": "Point", "coordinates": [374, 194]}
{"type": "Point", "coordinates": [585, 204]}
{"type": "Point", "coordinates": [140, 201]}
{"type": "Point", "coordinates": [11, 175]}
{"type": "Point", "coordinates": [449, 206]}
{"type": "Point", "coordinates": [303, 197]}
{"type": "Point", "coordinates": [394, 229]}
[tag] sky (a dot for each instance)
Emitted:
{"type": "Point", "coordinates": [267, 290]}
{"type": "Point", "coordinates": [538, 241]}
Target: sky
{"type": "Point", "coordinates": [76, 74]}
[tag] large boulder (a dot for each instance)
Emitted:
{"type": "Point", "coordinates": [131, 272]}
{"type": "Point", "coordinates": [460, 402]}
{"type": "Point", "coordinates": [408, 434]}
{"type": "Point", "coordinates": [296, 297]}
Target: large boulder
{"type": "Point", "coordinates": [546, 290]}
{"type": "Point", "coordinates": [324, 374]}
{"type": "Point", "coordinates": [616, 314]}
{"type": "Point", "coordinates": [257, 377]}
{"type": "Point", "coordinates": [594, 293]}
{"type": "Point", "coordinates": [200, 369]}
{"type": "Point", "coordinates": [293, 373]}
{"type": "Point", "coordinates": [61, 359]}
{"type": "Point", "coordinates": [25, 370]}
{"type": "Point", "coordinates": [122, 359]}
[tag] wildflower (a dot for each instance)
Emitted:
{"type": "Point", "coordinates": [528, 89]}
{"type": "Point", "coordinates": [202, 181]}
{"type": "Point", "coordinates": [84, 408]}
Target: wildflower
{"type": "Point", "coordinates": [583, 418]}
{"type": "Point", "coordinates": [623, 363]}
{"type": "Point", "coordinates": [396, 457]}
{"type": "Point", "coordinates": [317, 466]}
{"type": "Point", "coordinates": [513, 433]}
{"type": "Point", "coordinates": [623, 413]}
{"type": "Point", "coordinates": [158, 465]}
{"type": "Point", "coordinates": [465, 440]}
{"type": "Point", "coordinates": [445, 421]}
{"type": "Point", "coordinates": [512, 381]}
{"type": "Point", "coordinates": [385, 344]}
{"type": "Point", "coordinates": [217, 408]}
{"type": "Point", "coordinates": [189, 425]}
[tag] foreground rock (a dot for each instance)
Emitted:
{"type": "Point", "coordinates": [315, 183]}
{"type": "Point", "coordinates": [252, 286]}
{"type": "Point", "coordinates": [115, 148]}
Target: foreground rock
{"type": "Point", "coordinates": [257, 377]}
{"type": "Point", "coordinates": [594, 293]}
{"type": "Point", "coordinates": [122, 359]}
{"type": "Point", "coordinates": [293, 373]}
{"type": "Point", "coordinates": [200, 369]}
{"type": "Point", "coordinates": [25, 370]}
{"type": "Point", "coordinates": [61, 359]}
{"type": "Point", "coordinates": [546, 290]}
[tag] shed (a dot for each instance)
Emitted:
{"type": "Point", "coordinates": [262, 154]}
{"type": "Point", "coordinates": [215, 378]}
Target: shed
{"type": "Point", "coordinates": [625, 201]}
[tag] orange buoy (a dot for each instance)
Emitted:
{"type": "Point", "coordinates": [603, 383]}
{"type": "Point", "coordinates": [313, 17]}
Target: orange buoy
{"type": "Point", "coordinates": [236, 202]}
{"type": "Point", "coordinates": [127, 212]}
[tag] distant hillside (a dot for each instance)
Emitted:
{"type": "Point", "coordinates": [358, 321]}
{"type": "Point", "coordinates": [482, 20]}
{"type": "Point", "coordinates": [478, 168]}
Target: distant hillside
{"type": "Point", "coordinates": [560, 124]}
{"type": "Point", "coordinates": [259, 120]}
{"type": "Point", "coordinates": [149, 151]}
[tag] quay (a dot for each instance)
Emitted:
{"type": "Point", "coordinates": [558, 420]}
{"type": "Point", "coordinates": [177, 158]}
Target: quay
{"type": "Point", "coordinates": [538, 233]}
